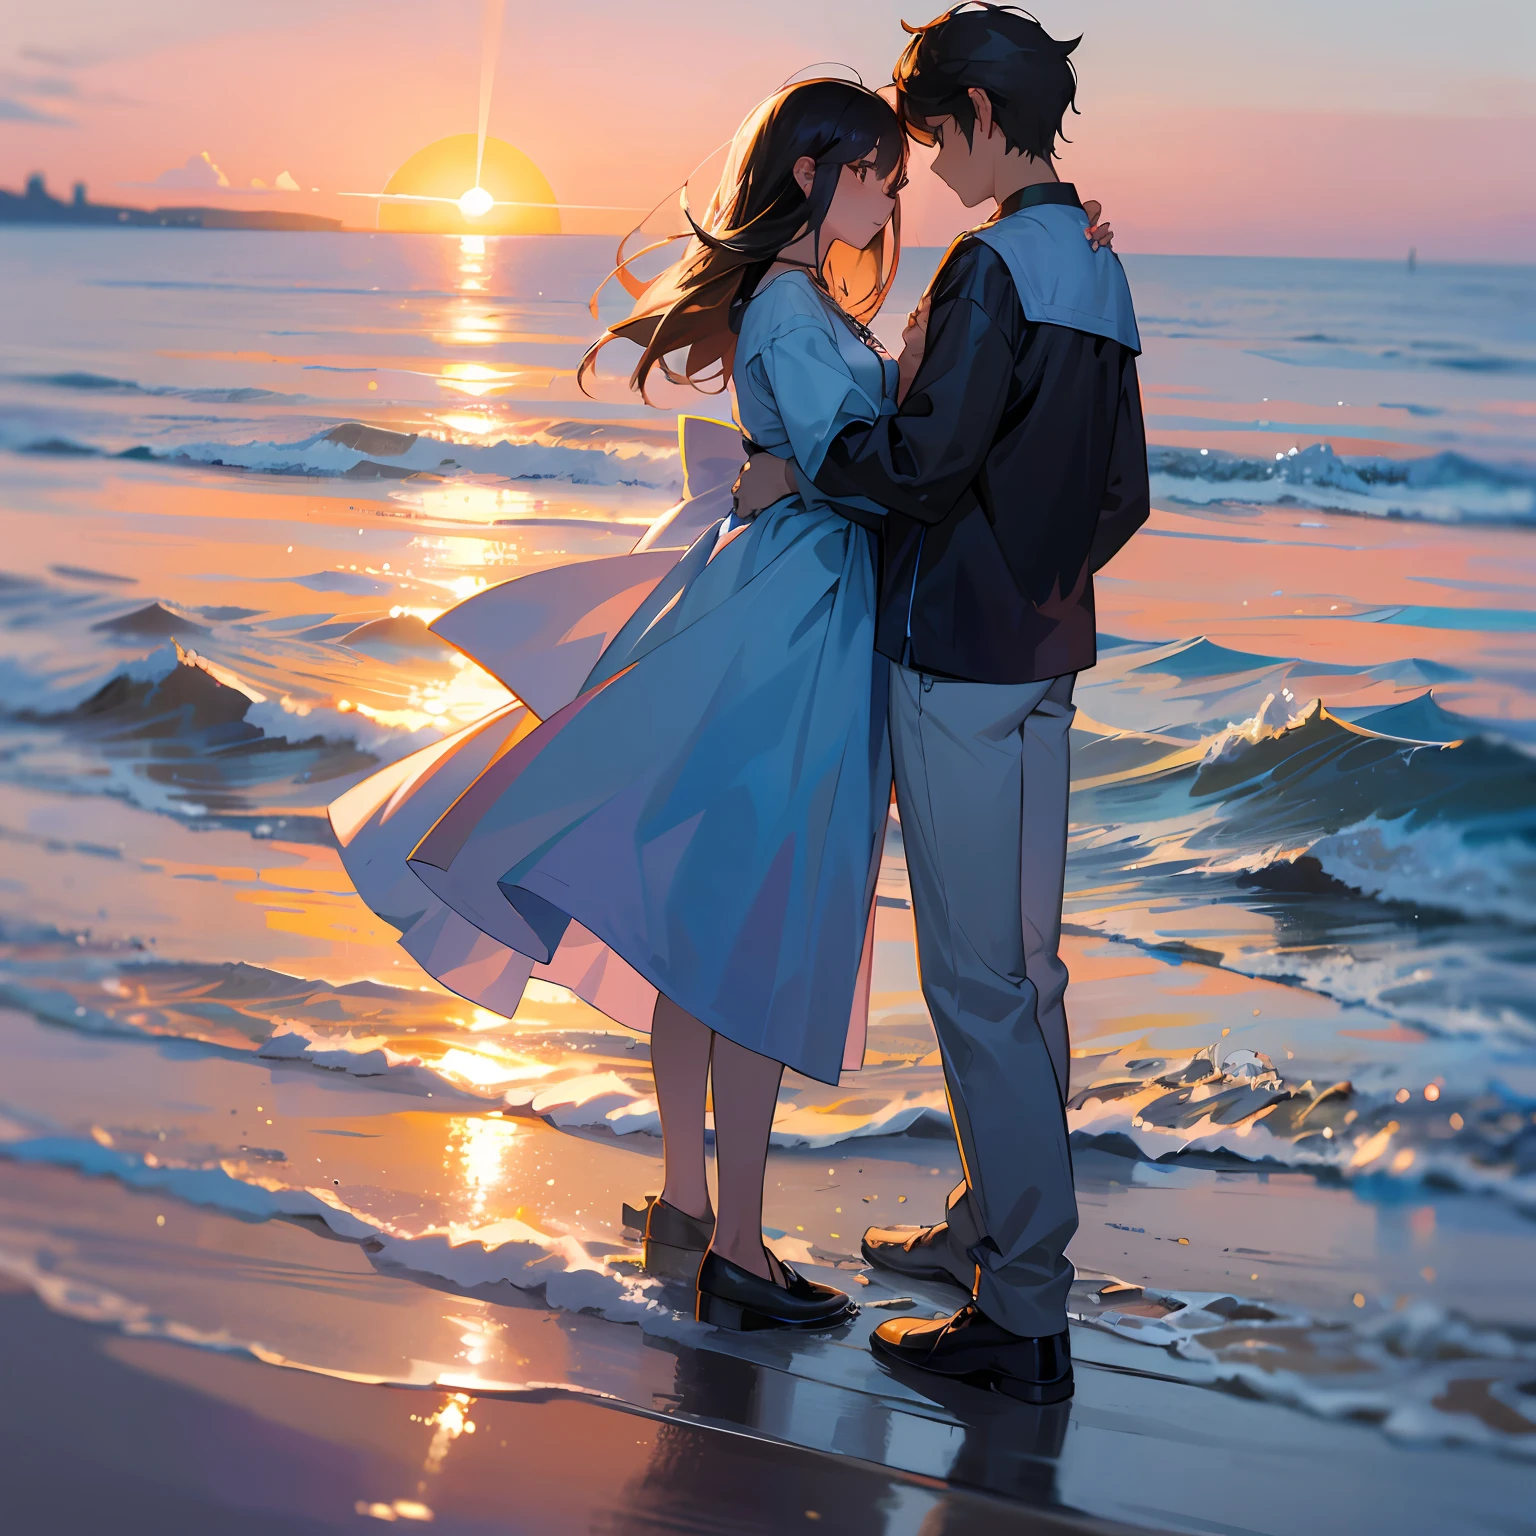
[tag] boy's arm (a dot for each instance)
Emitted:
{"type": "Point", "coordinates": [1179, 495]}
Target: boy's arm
{"type": "Point", "coordinates": [1127, 492]}
{"type": "Point", "coordinates": [923, 459]}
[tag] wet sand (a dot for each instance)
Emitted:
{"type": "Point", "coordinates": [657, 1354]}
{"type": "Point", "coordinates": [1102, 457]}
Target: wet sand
{"type": "Point", "coordinates": [189, 1376]}
{"type": "Point", "coordinates": [140, 1438]}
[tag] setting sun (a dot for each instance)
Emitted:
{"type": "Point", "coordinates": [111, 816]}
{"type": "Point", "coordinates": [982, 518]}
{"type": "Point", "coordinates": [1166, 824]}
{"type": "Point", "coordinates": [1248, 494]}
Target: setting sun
{"type": "Point", "coordinates": [509, 197]}
{"type": "Point", "coordinates": [476, 203]}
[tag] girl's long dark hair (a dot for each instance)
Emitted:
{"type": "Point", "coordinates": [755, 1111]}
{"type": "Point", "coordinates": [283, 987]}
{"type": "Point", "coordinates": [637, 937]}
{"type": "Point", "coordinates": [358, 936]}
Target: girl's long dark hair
{"type": "Point", "coordinates": [756, 211]}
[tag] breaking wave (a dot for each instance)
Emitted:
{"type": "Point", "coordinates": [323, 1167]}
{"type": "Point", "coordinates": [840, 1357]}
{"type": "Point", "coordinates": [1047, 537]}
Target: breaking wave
{"type": "Point", "coordinates": [1140, 1102]}
{"type": "Point", "coordinates": [1422, 1373]}
{"type": "Point", "coordinates": [355, 451]}
{"type": "Point", "coordinates": [1407, 804]}
{"type": "Point", "coordinates": [566, 1271]}
{"type": "Point", "coordinates": [1152, 1105]}
{"type": "Point", "coordinates": [1443, 488]}
{"type": "Point", "coordinates": [419, 1042]}
{"type": "Point", "coordinates": [175, 703]}
{"type": "Point", "coordinates": [1317, 773]}
{"type": "Point", "coordinates": [1393, 861]}
{"type": "Point", "coordinates": [104, 384]}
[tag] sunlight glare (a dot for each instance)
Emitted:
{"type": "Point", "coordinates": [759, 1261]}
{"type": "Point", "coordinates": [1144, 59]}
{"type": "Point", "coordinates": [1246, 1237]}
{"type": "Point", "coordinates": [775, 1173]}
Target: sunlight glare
{"type": "Point", "coordinates": [472, 329]}
{"type": "Point", "coordinates": [472, 1067]}
{"type": "Point", "coordinates": [473, 426]}
{"type": "Point", "coordinates": [449, 1422]}
{"type": "Point", "coordinates": [466, 696]}
{"type": "Point", "coordinates": [475, 378]}
{"type": "Point", "coordinates": [483, 1146]}
{"type": "Point", "coordinates": [476, 203]}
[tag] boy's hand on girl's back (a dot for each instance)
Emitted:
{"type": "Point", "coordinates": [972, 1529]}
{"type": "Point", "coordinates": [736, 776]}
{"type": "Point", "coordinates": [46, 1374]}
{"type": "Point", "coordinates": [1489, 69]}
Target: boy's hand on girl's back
{"type": "Point", "coordinates": [764, 479]}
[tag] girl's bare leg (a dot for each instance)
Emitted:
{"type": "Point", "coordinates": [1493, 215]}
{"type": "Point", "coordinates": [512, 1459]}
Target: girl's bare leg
{"type": "Point", "coordinates": [680, 1051]}
{"type": "Point", "coordinates": [746, 1089]}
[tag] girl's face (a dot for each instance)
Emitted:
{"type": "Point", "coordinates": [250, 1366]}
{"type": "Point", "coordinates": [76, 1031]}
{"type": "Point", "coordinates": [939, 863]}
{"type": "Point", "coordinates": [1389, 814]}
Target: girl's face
{"type": "Point", "coordinates": [861, 206]}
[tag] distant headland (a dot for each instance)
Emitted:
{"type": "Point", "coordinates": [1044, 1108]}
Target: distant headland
{"type": "Point", "coordinates": [37, 205]}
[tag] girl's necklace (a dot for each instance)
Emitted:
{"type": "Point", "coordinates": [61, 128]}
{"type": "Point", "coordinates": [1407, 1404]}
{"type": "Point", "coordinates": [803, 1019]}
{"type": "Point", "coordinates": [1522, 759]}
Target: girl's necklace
{"type": "Point", "coordinates": [859, 329]}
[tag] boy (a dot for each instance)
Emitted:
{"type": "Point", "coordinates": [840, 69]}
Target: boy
{"type": "Point", "coordinates": [1015, 468]}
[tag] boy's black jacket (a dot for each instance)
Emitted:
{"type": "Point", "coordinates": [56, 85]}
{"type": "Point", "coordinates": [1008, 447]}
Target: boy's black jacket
{"type": "Point", "coordinates": [1015, 468]}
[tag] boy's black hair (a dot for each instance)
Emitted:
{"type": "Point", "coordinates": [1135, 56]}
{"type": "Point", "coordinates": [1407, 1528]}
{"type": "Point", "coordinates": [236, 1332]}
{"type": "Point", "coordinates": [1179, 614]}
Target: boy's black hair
{"type": "Point", "coordinates": [1001, 50]}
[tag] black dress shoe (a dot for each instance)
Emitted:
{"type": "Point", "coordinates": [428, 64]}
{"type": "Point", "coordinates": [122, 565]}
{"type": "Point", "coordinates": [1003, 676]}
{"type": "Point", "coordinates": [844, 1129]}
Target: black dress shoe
{"type": "Point", "coordinates": [971, 1346]}
{"type": "Point", "coordinates": [735, 1298]}
{"type": "Point", "coordinates": [675, 1241]}
{"type": "Point", "coordinates": [919, 1253]}
{"type": "Point", "coordinates": [633, 1216]}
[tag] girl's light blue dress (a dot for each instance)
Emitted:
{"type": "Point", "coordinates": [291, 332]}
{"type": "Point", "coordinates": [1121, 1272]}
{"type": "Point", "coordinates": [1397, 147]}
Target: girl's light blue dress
{"type": "Point", "coordinates": [712, 805]}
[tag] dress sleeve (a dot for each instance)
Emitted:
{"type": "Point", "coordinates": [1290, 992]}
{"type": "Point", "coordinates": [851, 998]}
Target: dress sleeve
{"type": "Point", "coordinates": [812, 388]}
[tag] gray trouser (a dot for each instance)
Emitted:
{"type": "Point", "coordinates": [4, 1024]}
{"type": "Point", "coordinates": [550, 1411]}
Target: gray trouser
{"type": "Point", "coordinates": [981, 784]}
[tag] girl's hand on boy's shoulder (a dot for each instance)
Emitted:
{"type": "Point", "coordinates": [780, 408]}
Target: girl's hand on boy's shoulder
{"type": "Point", "coordinates": [1098, 235]}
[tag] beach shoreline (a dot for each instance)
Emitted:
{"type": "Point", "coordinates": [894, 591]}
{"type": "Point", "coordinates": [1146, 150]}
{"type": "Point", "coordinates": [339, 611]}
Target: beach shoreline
{"type": "Point", "coordinates": [587, 1407]}
{"type": "Point", "coordinates": [110, 1433]}
{"type": "Point", "coordinates": [243, 1137]}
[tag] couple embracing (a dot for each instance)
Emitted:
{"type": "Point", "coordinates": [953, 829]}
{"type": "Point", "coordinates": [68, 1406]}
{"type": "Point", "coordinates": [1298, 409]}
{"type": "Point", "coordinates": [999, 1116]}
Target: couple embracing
{"type": "Point", "coordinates": [691, 838]}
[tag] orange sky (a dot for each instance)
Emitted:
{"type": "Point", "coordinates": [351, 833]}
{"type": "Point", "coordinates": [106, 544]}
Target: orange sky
{"type": "Point", "coordinates": [1209, 125]}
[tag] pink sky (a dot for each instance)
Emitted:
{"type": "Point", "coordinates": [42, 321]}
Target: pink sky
{"type": "Point", "coordinates": [1317, 128]}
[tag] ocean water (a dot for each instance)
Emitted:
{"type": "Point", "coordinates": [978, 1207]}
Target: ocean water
{"type": "Point", "coordinates": [239, 474]}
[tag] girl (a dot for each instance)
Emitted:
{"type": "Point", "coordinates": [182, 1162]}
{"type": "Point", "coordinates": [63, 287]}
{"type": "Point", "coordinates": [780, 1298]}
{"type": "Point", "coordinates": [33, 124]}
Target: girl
{"type": "Point", "coordinates": [699, 829]}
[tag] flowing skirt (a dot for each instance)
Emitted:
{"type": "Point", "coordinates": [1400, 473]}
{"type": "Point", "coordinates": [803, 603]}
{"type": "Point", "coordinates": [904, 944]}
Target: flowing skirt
{"type": "Point", "coordinates": [703, 819]}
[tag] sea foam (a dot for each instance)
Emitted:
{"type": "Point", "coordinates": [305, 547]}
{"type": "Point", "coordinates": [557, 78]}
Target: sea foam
{"type": "Point", "coordinates": [1443, 487]}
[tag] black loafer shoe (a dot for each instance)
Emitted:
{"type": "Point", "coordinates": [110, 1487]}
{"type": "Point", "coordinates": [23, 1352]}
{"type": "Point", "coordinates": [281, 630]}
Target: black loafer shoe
{"type": "Point", "coordinates": [919, 1253]}
{"type": "Point", "coordinates": [633, 1216]}
{"type": "Point", "coordinates": [971, 1346]}
{"type": "Point", "coordinates": [675, 1241]}
{"type": "Point", "coordinates": [735, 1298]}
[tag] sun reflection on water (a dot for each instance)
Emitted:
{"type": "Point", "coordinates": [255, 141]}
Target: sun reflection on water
{"type": "Point", "coordinates": [476, 378]}
{"type": "Point", "coordinates": [448, 1423]}
{"type": "Point", "coordinates": [483, 1146]}
{"type": "Point", "coordinates": [471, 327]}
{"type": "Point", "coordinates": [470, 426]}
{"type": "Point", "coordinates": [479, 1338]}
{"type": "Point", "coordinates": [469, 501]}
{"type": "Point", "coordinates": [485, 1069]}
{"type": "Point", "coordinates": [465, 695]}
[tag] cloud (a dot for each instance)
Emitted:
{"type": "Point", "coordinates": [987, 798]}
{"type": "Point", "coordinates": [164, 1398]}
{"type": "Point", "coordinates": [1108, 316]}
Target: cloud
{"type": "Point", "coordinates": [53, 88]}
{"type": "Point", "coordinates": [72, 58]}
{"type": "Point", "coordinates": [36, 85]}
{"type": "Point", "coordinates": [199, 174]}
{"type": "Point", "coordinates": [202, 174]}
{"type": "Point", "coordinates": [14, 111]}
